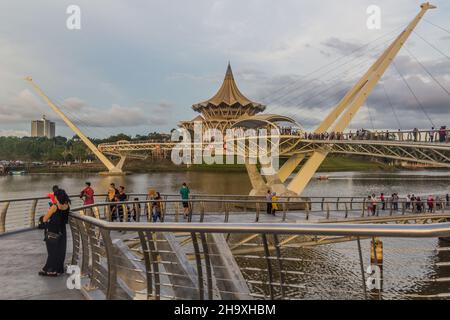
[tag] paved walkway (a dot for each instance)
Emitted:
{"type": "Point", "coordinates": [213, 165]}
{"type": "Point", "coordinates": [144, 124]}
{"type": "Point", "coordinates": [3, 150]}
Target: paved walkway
{"type": "Point", "coordinates": [22, 255]}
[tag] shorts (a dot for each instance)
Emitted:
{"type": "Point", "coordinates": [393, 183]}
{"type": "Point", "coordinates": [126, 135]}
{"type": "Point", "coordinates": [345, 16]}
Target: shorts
{"type": "Point", "coordinates": [185, 204]}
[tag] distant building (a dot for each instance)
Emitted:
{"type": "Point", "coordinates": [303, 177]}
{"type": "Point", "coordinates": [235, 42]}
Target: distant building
{"type": "Point", "coordinates": [43, 128]}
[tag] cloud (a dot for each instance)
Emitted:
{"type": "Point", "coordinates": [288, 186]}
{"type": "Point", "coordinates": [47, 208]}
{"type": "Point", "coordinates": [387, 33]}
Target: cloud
{"type": "Point", "coordinates": [26, 107]}
{"type": "Point", "coordinates": [13, 133]}
{"type": "Point", "coordinates": [343, 47]}
{"type": "Point", "coordinates": [123, 55]}
{"type": "Point", "coordinates": [20, 108]}
{"type": "Point", "coordinates": [308, 101]}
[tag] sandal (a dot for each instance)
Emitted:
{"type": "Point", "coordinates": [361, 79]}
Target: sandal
{"type": "Point", "coordinates": [47, 274]}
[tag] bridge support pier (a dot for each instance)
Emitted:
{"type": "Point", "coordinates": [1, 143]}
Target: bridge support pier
{"type": "Point", "coordinates": [117, 169]}
{"type": "Point", "coordinates": [273, 182]}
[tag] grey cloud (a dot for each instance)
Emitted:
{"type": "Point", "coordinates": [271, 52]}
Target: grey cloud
{"type": "Point", "coordinates": [310, 106]}
{"type": "Point", "coordinates": [343, 47]}
{"type": "Point", "coordinates": [26, 107]}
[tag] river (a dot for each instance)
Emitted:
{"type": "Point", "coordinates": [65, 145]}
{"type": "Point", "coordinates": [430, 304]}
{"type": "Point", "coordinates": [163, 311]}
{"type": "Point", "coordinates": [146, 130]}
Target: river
{"type": "Point", "coordinates": [339, 184]}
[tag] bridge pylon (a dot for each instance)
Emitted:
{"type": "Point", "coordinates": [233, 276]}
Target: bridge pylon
{"type": "Point", "coordinates": [347, 108]}
{"type": "Point", "coordinates": [114, 170]}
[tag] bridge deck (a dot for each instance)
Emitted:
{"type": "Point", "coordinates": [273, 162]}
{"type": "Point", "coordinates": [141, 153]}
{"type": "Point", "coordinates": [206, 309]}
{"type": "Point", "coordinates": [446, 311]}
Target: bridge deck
{"type": "Point", "coordinates": [23, 255]}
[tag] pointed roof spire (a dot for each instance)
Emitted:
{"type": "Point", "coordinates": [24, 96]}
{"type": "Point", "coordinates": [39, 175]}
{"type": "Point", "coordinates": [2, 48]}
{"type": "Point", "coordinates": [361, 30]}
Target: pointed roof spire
{"type": "Point", "coordinates": [228, 95]}
{"type": "Point", "coordinates": [229, 72]}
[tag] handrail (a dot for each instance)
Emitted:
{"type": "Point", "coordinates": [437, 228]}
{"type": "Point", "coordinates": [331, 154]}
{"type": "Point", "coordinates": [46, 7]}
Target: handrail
{"type": "Point", "coordinates": [329, 229]}
{"type": "Point", "coordinates": [22, 213]}
{"type": "Point", "coordinates": [194, 196]}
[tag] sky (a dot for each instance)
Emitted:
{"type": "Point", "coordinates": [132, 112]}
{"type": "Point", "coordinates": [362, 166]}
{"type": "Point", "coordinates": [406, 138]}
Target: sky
{"type": "Point", "coordinates": [138, 66]}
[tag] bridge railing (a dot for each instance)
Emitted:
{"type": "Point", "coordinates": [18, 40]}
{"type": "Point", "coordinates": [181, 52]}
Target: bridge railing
{"type": "Point", "coordinates": [259, 210]}
{"type": "Point", "coordinates": [18, 214]}
{"type": "Point", "coordinates": [254, 261]}
{"type": "Point", "coordinates": [429, 136]}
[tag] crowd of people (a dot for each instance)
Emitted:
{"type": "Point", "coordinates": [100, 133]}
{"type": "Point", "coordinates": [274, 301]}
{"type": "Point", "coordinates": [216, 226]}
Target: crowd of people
{"type": "Point", "coordinates": [55, 220]}
{"type": "Point", "coordinates": [433, 135]}
{"type": "Point", "coordinates": [415, 204]}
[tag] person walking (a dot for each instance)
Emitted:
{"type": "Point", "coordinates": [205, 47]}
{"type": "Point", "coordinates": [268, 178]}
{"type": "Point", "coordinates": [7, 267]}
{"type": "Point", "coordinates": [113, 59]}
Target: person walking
{"type": "Point", "coordinates": [136, 210]}
{"type": "Point", "coordinates": [122, 197]}
{"type": "Point", "coordinates": [408, 202]}
{"type": "Point", "coordinates": [369, 205]}
{"type": "Point", "coordinates": [395, 199]}
{"type": "Point", "coordinates": [112, 197]}
{"type": "Point", "coordinates": [55, 221]}
{"type": "Point", "coordinates": [415, 134]}
{"type": "Point", "coordinates": [430, 203]}
{"type": "Point", "coordinates": [442, 134]}
{"type": "Point", "coordinates": [156, 207]}
{"type": "Point", "coordinates": [269, 202]}
{"type": "Point", "coordinates": [185, 195]}
{"type": "Point", "coordinates": [438, 203]}
{"type": "Point", "coordinates": [419, 205]}
{"type": "Point", "coordinates": [374, 204]}
{"type": "Point", "coordinates": [274, 203]}
{"type": "Point", "coordinates": [87, 194]}
{"type": "Point", "coordinates": [383, 201]}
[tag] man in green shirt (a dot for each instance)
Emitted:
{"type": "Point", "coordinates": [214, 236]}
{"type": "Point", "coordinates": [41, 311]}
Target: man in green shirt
{"type": "Point", "coordinates": [184, 191]}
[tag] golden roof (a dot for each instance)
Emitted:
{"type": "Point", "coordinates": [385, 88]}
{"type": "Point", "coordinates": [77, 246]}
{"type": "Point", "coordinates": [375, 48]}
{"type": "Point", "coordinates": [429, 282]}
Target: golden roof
{"type": "Point", "coordinates": [228, 95]}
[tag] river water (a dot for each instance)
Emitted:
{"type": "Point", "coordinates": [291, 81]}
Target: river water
{"type": "Point", "coordinates": [328, 272]}
{"type": "Point", "coordinates": [347, 184]}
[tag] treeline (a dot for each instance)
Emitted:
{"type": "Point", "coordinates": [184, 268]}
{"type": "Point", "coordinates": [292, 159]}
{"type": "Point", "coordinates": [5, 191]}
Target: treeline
{"type": "Point", "coordinates": [60, 148]}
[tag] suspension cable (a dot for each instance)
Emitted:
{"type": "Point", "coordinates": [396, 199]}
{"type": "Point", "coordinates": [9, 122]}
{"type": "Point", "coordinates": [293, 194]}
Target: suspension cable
{"type": "Point", "coordinates": [333, 62]}
{"type": "Point", "coordinates": [413, 94]}
{"type": "Point", "coordinates": [370, 116]}
{"type": "Point", "coordinates": [427, 71]}
{"type": "Point", "coordinates": [392, 106]}
{"type": "Point", "coordinates": [431, 45]}
{"type": "Point", "coordinates": [437, 26]}
{"type": "Point", "coordinates": [311, 83]}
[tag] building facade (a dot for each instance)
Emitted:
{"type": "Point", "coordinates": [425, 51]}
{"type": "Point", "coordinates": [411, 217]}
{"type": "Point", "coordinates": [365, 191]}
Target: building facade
{"type": "Point", "coordinates": [225, 108]}
{"type": "Point", "coordinates": [43, 128]}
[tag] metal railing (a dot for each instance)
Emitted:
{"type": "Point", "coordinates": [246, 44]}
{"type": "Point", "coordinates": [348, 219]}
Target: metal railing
{"type": "Point", "coordinates": [17, 214]}
{"type": "Point", "coordinates": [428, 136]}
{"type": "Point", "coordinates": [247, 261]}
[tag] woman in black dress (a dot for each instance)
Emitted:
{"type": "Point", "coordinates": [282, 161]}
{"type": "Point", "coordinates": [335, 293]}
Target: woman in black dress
{"type": "Point", "coordinates": [55, 235]}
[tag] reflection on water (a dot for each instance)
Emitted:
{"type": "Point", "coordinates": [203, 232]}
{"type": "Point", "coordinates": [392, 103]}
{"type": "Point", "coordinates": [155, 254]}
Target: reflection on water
{"type": "Point", "coordinates": [205, 182]}
{"type": "Point", "coordinates": [340, 183]}
{"type": "Point", "coordinates": [325, 272]}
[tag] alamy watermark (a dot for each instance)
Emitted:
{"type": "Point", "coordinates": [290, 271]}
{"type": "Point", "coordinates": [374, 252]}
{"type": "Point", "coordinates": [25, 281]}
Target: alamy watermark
{"type": "Point", "coordinates": [374, 19]}
{"type": "Point", "coordinates": [74, 279]}
{"type": "Point", "coordinates": [373, 281]}
{"type": "Point", "coordinates": [238, 146]}
{"type": "Point", "coordinates": [73, 22]}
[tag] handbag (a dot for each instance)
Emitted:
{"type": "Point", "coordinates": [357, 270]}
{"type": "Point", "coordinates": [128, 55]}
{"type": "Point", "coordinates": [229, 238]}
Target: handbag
{"type": "Point", "coordinates": [52, 236]}
{"type": "Point", "coordinates": [42, 225]}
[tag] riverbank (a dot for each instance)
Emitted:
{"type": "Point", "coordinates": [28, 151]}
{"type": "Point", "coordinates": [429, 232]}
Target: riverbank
{"type": "Point", "coordinates": [331, 164]}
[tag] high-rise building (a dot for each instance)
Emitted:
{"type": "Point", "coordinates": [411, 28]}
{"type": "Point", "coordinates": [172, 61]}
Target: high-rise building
{"type": "Point", "coordinates": [43, 128]}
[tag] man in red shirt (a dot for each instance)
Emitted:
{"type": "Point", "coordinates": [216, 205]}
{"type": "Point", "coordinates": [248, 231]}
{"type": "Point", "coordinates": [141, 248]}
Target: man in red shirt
{"type": "Point", "coordinates": [87, 194]}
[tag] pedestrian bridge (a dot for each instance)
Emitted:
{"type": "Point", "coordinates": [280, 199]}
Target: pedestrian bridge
{"type": "Point", "coordinates": [227, 248]}
{"type": "Point", "coordinates": [417, 147]}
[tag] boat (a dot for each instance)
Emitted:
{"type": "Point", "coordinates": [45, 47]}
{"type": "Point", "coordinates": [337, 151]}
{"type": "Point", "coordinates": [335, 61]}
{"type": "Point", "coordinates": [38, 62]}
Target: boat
{"type": "Point", "coordinates": [17, 173]}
